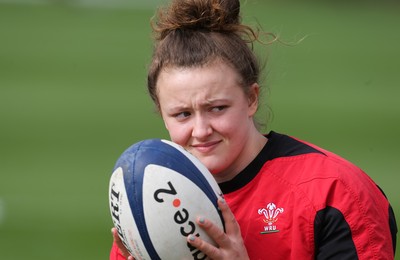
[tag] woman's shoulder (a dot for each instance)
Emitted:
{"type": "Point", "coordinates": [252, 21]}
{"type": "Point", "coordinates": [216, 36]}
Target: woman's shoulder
{"type": "Point", "coordinates": [305, 159]}
{"type": "Point", "coordinates": [310, 167]}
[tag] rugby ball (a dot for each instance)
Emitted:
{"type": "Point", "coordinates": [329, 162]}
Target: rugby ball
{"type": "Point", "coordinates": [156, 192]}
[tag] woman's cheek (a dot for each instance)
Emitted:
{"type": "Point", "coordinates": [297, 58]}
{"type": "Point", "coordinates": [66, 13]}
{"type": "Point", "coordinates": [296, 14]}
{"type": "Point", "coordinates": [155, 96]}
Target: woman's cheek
{"type": "Point", "coordinates": [179, 134]}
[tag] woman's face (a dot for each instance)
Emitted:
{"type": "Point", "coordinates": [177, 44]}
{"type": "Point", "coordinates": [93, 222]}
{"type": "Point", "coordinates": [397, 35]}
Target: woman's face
{"type": "Point", "coordinates": [207, 112]}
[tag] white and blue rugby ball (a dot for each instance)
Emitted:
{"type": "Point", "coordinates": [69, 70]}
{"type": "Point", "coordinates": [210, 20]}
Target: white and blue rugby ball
{"type": "Point", "coordinates": [156, 192]}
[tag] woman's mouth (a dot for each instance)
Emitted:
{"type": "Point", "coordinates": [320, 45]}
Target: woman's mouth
{"type": "Point", "coordinates": [205, 147]}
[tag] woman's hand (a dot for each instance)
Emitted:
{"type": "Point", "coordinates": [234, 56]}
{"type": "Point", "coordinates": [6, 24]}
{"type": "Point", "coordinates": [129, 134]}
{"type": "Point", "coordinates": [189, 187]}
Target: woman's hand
{"type": "Point", "coordinates": [120, 245]}
{"type": "Point", "coordinates": [230, 244]}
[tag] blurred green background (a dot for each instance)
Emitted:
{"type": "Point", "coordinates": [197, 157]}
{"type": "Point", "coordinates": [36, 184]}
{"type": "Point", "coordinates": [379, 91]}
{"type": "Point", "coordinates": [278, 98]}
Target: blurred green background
{"type": "Point", "coordinates": [73, 97]}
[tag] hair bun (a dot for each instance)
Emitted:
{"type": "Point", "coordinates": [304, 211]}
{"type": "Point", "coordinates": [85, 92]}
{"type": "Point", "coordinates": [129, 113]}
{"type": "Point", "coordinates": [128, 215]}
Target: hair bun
{"type": "Point", "coordinates": [209, 15]}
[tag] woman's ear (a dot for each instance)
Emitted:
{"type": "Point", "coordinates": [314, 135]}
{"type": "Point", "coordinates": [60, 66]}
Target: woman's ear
{"type": "Point", "coordinates": [253, 96]}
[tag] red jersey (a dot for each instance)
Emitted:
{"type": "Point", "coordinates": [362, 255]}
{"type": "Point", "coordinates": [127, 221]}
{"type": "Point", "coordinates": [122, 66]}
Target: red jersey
{"type": "Point", "coordinates": [298, 201]}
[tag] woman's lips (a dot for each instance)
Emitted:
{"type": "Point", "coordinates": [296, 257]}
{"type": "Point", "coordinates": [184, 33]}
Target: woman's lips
{"type": "Point", "coordinates": [205, 147]}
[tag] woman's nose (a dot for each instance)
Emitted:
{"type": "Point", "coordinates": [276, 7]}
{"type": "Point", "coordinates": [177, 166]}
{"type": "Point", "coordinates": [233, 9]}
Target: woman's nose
{"type": "Point", "coordinates": [201, 127]}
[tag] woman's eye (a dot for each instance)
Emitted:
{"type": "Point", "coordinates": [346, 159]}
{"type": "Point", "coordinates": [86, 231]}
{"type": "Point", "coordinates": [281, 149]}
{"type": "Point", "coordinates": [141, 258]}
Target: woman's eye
{"type": "Point", "coordinates": [218, 108]}
{"type": "Point", "coordinates": [182, 115]}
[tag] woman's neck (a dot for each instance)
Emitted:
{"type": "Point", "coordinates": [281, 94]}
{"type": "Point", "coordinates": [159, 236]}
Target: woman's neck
{"type": "Point", "coordinates": [252, 148]}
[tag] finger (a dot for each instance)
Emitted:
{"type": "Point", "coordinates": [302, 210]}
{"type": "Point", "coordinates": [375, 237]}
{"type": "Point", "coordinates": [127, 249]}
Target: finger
{"type": "Point", "coordinates": [211, 251]}
{"type": "Point", "coordinates": [119, 243]}
{"type": "Point", "coordinates": [231, 225]}
{"type": "Point", "coordinates": [214, 232]}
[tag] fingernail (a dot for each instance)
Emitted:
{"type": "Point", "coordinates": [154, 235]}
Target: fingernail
{"type": "Point", "coordinates": [192, 237]}
{"type": "Point", "coordinates": [222, 200]}
{"type": "Point", "coordinates": [202, 220]}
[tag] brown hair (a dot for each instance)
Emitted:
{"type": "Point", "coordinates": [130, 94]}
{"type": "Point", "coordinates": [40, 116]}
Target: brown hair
{"type": "Point", "coordinates": [192, 33]}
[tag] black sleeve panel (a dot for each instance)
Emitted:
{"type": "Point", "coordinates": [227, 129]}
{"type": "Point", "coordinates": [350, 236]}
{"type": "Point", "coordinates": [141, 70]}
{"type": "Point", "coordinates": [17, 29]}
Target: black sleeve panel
{"type": "Point", "coordinates": [393, 228]}
{"type": "Point", "coordinates": [392, 224]}
{"type": "Point", "coordinates": [333, 236]}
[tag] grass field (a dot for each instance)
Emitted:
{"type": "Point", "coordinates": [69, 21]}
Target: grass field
{"type": "Point", "coordinates": [73, 97]}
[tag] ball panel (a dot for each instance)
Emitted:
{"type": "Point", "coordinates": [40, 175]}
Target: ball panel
{"type": "Point", "coordinates": [122, 216]}
{"type": "Point", "coordinates": [162, 188]}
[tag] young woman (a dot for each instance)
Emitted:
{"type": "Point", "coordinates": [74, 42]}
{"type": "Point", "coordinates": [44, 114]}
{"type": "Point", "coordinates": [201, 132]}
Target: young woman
{"type": "Point", "coordinates": [284, 198]}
